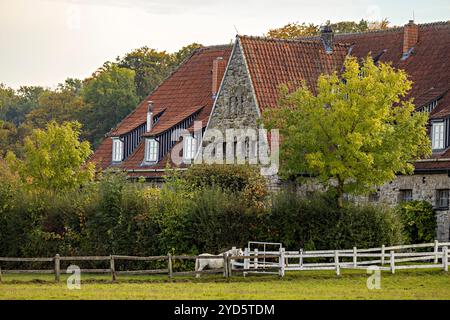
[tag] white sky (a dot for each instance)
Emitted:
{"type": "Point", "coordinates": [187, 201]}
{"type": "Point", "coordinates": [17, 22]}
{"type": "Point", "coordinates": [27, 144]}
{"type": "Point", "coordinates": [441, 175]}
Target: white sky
{"type": "Point", "coordinates": [43, 42]}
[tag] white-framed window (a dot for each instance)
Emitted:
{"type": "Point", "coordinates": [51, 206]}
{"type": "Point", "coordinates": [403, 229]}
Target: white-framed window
{"type": "Point", "coordinates": [151, 150]}
{"type": "Point", "coordinates": [189, 147]}
{"type": "Point", "coordinates": [117, 150]}
{"type": "Point", "coordinates": [442, 198]}
{"type": "Point", "coordinates": [437, 135]}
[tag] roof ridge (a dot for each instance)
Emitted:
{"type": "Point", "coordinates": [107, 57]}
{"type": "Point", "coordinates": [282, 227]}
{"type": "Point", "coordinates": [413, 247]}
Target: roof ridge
{"type": "Point", "coordinates": [391, 29]}
{"type": "Point", "coordinates": [436, 23]}
{"type": "Point", "coordinates": [395, 28]}
{"type": "Point", "coordinates": [215, 46]}
{"type": "Point", "coordinates": [306, 40]}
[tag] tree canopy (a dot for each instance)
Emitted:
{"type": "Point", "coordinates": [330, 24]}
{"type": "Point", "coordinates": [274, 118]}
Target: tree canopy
{"type": "Point", "coordinates": [54, 158]}
{"type": "Point", "coordinates": [355, 131]}
{"type": "Point", "coordinates": [297, 30]}
{"type": "Point", "coordinates": [110, 95]}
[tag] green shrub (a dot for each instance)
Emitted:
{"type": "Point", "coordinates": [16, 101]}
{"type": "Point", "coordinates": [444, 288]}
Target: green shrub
{"type": "Point", "coordinates": [243, 179]}
{"type": "Point", "coordinates": [419, 221]}
{"type": "Point", "coordinates": [317, 223]}
{"type": "Point", "coordinates": [218, 220]}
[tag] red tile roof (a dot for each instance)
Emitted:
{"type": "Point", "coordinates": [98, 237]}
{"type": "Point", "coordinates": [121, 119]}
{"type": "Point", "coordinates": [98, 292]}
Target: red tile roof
{"type": "Point", "coordinates": [185, 91]}
{"type": "Point", "coordinates": [273, 62]}
{"type": "Point", "coordinates": [428, 67]}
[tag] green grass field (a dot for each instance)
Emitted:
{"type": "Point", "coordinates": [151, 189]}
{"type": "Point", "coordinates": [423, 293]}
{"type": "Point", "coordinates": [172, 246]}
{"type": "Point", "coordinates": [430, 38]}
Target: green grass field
{"type": "Point", "coordinates": [431, 284]}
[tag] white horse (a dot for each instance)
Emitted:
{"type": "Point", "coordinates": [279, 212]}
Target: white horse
{"type": "Point", "coordinates": [216, 263]}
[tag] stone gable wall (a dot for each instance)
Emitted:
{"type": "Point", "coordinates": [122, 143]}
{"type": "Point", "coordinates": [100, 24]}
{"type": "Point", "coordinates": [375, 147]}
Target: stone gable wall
{"type": "Point", "coordinates": [236, 105]}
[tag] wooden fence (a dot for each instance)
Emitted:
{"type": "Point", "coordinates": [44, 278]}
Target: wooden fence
{"type": "Point", "coordinates": [385, 258]}
{"type": "Point", "coordinates": [270, 262]}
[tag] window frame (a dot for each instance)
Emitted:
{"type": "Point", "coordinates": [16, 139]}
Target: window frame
{"type": "Point", "coordinates": [403, 198]}
{"type": "Point", "coordinates": [117, 149]}
{"type": "Point", "coordinates": [151, 154]}
{"type": "Point", "coordinates": [438, 144]}
{"type": "Point", "coordinates": [439, 198]}
{"type": "Point", "coordinates": [189, 148]}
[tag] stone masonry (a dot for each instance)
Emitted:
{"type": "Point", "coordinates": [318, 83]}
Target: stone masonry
{"type": "Point", "coordinates": [236, 105]}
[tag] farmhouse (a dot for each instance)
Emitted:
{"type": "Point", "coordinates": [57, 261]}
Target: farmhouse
{"type": "Point", "coordinates": [227, 87]}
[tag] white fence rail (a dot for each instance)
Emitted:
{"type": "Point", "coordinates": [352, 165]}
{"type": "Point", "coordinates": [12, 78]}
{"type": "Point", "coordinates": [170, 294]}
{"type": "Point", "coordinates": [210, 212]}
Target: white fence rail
{"type": "Point", "coordinates": [391, 258]}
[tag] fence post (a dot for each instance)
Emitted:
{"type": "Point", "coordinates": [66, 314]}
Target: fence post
{"type": "Point", "coordinates": [112, 267]}
{"type": "Point", "coordinates": [225, 265]}
{"type": "Point", "coordinates": [246, 264]}
{"type": "Point", "coordinates": [436, 251]}
{"type": "Point", "coordinates": [229, 266]}
{"type": "Point", "coordinates": [445, 259]}
{"type": "Point", "coordinates": [355, 257]}
{"type": "Point", "coordinates": [301, 258]}
{"type": "Point", "coordinates": [282, 262]}
{"type": "Point", "coordinates": [336, 263]}
{"type": "Point", "coordinates": [233, 249]}
{"type": "Point", "coordinates": [57, 268]}
{"type": "Point", "coordinates": [383, 251]}
{"type": "Point", "coordinates": [392, 262]}
{"type": "Point", "coordinates": [169, 265]}
{"type": "Point", "coordinates": [256, 259]}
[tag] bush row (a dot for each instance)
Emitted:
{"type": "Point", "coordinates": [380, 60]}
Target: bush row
{"type": "Point", "coordinates": [113, 216]}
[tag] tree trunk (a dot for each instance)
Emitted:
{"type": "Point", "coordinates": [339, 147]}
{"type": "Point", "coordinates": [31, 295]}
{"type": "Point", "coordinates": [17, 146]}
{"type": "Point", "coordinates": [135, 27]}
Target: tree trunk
{"type": "Point", "coordinates": [340, 193]}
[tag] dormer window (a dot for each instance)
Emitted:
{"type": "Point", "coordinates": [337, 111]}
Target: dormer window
{"type": "Point", "coordinates": [437, 135]}
{"type": "Point", "coordinates": [117, 150]}
{"type": "Point", "coordinates": [189, 148]}
{"type": "Point", "coordinates": [151, 150]}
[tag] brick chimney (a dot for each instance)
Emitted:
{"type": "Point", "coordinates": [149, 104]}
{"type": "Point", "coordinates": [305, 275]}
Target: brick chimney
{"type": "Point", "coordinates": [219, 66]}
{"type": "Point", "coordinates": [327, 35]}
{"type": "Point", "coordinates": [149, 115]}
{"type": "Point", "coordinates": [410, 37]}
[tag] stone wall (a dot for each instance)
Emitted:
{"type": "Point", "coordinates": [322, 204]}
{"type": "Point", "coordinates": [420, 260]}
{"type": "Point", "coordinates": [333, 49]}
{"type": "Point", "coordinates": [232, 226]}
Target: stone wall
{"type": "Point", "coordinates": [236, 105]}
{"type": "Point", "coordinates": [423, 187]}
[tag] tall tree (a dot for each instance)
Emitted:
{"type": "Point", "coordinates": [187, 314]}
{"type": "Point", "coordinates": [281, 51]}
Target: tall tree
{"type": "Point", "coordinates": [54, 158]}
{"type": "Point", "coordinates": [15, 105]}
{"type": "Point", "coordinates": [60, 105]}
{"type": "Point", "coordinates": [110, 95]}
{"type": "Point", "coordinates": [296, 30]}
{"type": "Point", "coordinates": [152, 66]}
{"type": "Point", "coordinates": [355, 133]}
{"type": "Point", "coordinates": [179, 56]}
{"type": "Point", "coordinates": [8, 133]}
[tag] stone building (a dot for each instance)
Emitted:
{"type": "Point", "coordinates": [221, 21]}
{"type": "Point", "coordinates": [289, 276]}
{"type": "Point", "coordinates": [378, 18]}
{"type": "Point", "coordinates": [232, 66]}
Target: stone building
{"type": "Point", "coordinates": [228, 87]}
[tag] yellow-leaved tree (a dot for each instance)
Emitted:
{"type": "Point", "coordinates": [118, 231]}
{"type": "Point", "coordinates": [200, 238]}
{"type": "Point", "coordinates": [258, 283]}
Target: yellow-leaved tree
{"type": "Point", "coordinates": [54, 158]}
{"type": "Point", "coordinates": [355, 131]}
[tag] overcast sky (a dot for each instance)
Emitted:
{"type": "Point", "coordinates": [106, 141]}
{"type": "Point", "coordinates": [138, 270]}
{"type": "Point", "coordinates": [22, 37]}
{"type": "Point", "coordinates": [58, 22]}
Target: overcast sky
{"type": "Point", "coordinates": [43, 42]}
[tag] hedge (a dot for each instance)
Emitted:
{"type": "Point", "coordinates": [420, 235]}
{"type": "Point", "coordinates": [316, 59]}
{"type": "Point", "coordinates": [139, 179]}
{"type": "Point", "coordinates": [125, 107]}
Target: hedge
{"type": "Point", "coordinates": [114, 216]}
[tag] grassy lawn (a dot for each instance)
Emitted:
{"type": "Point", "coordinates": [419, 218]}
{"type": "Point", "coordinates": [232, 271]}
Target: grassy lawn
{"type": "Point", "coordinates": [430, 284]}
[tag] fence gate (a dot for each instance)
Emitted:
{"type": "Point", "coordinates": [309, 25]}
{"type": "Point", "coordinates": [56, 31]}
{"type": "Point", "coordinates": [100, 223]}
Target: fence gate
{"type": "Point", "coordinates": [271, 265]}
